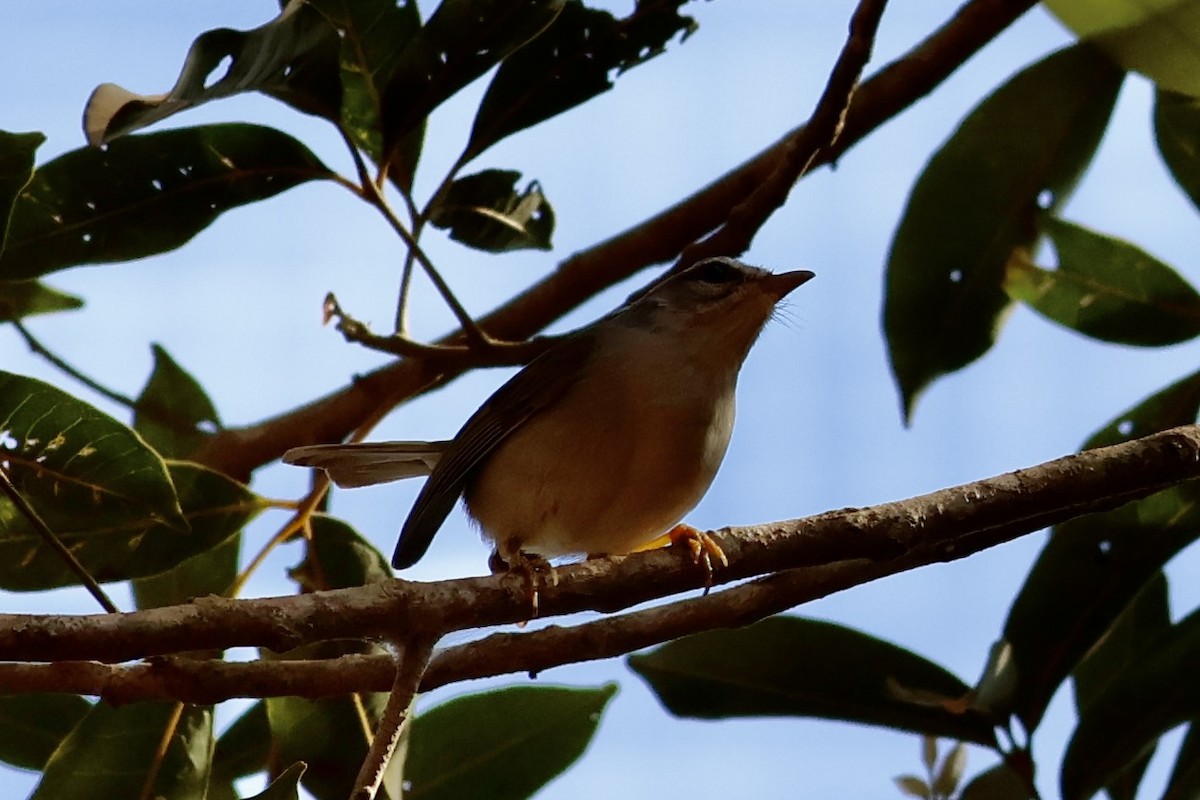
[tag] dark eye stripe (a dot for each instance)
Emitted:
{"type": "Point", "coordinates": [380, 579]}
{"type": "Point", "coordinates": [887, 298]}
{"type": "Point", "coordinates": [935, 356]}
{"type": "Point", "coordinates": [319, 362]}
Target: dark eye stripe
{"type": "Point", "coordinates": [716, 272]}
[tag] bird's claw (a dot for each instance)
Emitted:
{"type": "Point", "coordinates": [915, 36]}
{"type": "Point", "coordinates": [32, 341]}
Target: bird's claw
{"type": "Point", "coordinates": [703, 548]}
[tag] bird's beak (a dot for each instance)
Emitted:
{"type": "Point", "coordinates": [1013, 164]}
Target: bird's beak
{"type": "Point", "coordinates": [778, 286]}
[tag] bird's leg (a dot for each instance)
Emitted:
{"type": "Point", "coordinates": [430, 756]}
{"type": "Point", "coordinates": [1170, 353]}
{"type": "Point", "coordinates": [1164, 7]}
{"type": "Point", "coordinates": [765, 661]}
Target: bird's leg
{"type": "Point", "coordinates": [702, 547]}
{"type": "Point", "coordinates": [515, 561]}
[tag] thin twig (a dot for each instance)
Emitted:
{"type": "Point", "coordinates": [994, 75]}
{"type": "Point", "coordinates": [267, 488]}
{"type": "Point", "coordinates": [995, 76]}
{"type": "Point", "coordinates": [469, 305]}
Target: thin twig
{"type": "Point", "coordinates": [38, 348]}
{"type": "Point", "coordinates": [54, 543]}
{"type": "Point", "coordinates": [411, 663]}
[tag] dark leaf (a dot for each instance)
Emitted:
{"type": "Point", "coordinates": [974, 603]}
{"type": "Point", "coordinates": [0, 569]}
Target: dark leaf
{"type": "Point", "coordinates": [25, 298]}
{"type": "Point", "coordinates": [16, 168]}
{"type": "Point", "coordinates": [485, 211]}
{"type": "Point", "coordinates": [243, 749]}
{"type": "Point", "coordinates": [1184, 783]}
{"type": "Point", "coordinates": [1107, 289]}
{"type": "Point", "coordinates": [1152, 695]}
{"type": "Point", "coordinates": [113, 753]}
{"type": "Point", "coordinates": [520, 739]}
{"type": "Point", "coordinates": [338, 558]}
{"type": "Point", "coordinates": [569, 63]}
{"type": "Point", "coordinates": [285, 787]}
{"type": "Point", "coordinates": [461, 41]}
{"type": "Point", "coordinates": [373, 34]}
{"type": "Point", "coordinates": [975, 207]}
{"type": "Point", "coordinates": [1145, 618]}
{"type": "Point", "coordinates": [143, 195]}
{"type": "Point", "coordinates": [1093, 567]}
{"type": "Point", "coordinates": [1177, 129]}
{"type": "Point", "coordinates": [114, 545]}
{"type": "Point", "coordinates": [326, 735]}
{"type": "Point", "coordinates": [209, 572]}
{"type": "Point", "coordinates": [768, 669]}
{"type": "Point", "coordinates": [33, 725]}
{"type": "Point", "coordinates": [294, 58]}
{"type": "Point", "coordinates": [996, 783]}
{"type": "Point", "coordinates": [173, 411]}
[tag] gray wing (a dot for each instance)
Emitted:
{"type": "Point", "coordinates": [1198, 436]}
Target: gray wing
{"type": "Point", "coordinates": [538, 385]}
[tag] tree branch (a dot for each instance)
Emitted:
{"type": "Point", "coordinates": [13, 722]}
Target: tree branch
{"type": "Point", "coordinates": [810, 558]}
{"type": "Point", "coordinates": [237, 452]}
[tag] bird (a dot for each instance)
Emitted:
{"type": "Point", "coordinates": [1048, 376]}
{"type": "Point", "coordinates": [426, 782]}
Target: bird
{"type": "Point", "coordinates": [603, 442]}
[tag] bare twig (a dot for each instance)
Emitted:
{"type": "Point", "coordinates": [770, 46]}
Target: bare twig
{"type": "Point", "coordinates": [40, 349]}
{"type": "Point", "coordinates": [813, 557]}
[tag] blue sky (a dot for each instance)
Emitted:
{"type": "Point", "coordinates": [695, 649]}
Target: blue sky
{"type": "Point", "coordinates": [819, 425]}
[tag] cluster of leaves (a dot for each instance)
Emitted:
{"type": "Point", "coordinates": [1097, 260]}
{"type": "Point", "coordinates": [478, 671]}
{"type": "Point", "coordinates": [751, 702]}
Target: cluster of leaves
{"type": "Point", "coordinates": [127, 503]}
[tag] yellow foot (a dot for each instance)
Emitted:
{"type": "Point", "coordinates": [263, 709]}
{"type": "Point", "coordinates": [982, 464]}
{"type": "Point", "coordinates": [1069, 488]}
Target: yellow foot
{"type": "Point", "coordinates": [526, 566]}
{"type": "Point", "coordinates": [702, 547]}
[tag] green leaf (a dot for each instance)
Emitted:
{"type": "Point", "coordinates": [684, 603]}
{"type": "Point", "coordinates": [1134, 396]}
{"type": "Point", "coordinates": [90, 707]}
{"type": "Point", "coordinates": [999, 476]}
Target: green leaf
{"type": "Point", "coordinates": [996, 783]}
{"type": "Point", "coordinates": [768, 669]}
{"type": "Point", "coordinates": [485, 211]}
{"type": "Point", "coordinates": [461, 41]}
{"type": "Point", "coordinates": [1152, 695]}
{"type": "Point", "coordinates": [70, 460]}
{"type": "Point", "coordinates": [339, 558]}
{"type": "Point", "coordinates": [209, 572]}
{"type": "Point", "coordinates": [16, 168]}
{"type": "Point", "coordinates": [569, 63]}
{"type": "Point", "coordinates": [173, 410]}
{"type": "Point", "coordinates": [1184, 783]}
{"type": "Point", "coordinates": [116, 546]}
{"type": "Point", "coordinates": [373, 34]}
{"type": "Point", "coordinates": [1107, 289]}
{"type": "Point", "coordinates": [912, 786]}
{"type": "Point", "coordinates": [25, 298]}
{"type": "Point", "coordinates": [1094, 566]}
{"type": "Point", "coordinates": [244, 749]}
{"type": "Point", "coordinates": [112, 753]}
{"type": "Point", "coordinates": [143, 195]}
{"type": "Point", "coordinates": [975, 207]}
{"type": "Point", "coordinates": [1147, 37]}
{"type": "Point", "coordinates": [1176, 130]}
{"type": "Point", "coordinates": [293, 58]}
{"type": "Point", "coordinates": [285, 787]}
{"type": "Point", "coordinates": [1145, 618]}
{"type": "Point", "coordinates": [327, 735]}
{"type": "Point", "coordinates": [520, 739]}
{"type": "Point", "coordinates": [33, 725]}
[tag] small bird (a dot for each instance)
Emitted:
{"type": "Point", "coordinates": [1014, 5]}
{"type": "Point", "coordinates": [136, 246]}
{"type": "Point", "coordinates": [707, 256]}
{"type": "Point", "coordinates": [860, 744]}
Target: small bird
{"type": "Point", "coordinates": [603, 442]}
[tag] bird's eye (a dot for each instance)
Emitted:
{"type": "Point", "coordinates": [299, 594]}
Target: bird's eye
{"type": "Point", "coordinates": [717, 271]}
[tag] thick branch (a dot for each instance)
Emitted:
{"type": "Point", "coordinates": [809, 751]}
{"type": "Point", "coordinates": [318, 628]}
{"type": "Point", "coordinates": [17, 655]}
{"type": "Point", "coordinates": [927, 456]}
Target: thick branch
{"type": "Point", "coordinates": [811, 558]}
{"type": "Point", "coordinates": [237, 452]}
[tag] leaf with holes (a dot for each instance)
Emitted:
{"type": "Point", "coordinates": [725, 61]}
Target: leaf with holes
{"type": "Point", "coordinates": [373, 34]}
{"type": "Point", "coordinates": [173, 410]}
{"type": "Point", "coordinates": [114, 752]}
{"type": "Point", "coordinates": [521, 738]}
{"type": "Point", "coordinates": [569, 63]}
{"type": "Point", "coordinates": [1094, 566]}
{"type": "Point", "coordinates": [1107, 289]}
{"type": "Point", "coordinates": [19, 299]}
{"type": "Point", "coordinates": [72, 462]}
{"type": "Point", "coordinates": [147, 194]}
{"type": "Point", "coordinates": [975, 206]}
{"type": "Point", "coordinates": [1176, 131]}
{"type": "Point", "coordinates": [768, 670]}
{"type": "Point", "coordinates": [461, 41]}
{"type": "Point", "coordinates": [293, 58]}
{"type": "Point", "coordinates": [485, 211]}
